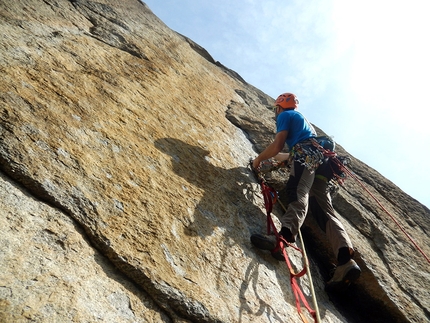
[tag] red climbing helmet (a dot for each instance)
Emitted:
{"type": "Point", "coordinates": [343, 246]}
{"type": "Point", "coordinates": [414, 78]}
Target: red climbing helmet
{"type": "Point", "coordinates": [287, 101]}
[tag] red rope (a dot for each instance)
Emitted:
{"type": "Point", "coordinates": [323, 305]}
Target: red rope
{"type": "Point", "coordinates": [332, 155]}
{"type": "Point", "coordinates": [270, 197]}
{"type": "Point", "coordinates": [350, 173]}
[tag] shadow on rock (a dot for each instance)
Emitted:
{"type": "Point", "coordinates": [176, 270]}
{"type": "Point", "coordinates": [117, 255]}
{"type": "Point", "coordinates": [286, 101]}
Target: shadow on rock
{"type": "Point", "coordinates": [227, 193]}
{"type": "Point", "coordinates": [228, 204]}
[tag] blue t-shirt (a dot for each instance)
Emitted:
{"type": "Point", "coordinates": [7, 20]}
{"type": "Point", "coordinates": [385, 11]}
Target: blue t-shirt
{"type": "Point", "coordinates": [298, 127]}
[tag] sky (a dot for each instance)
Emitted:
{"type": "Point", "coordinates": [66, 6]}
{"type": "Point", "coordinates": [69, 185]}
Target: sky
{"type": "Point", "coordinates": [361, 69]}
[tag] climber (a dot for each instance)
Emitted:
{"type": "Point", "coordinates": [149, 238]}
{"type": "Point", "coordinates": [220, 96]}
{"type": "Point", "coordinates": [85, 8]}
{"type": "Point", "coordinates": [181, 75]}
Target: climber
{"type": "Point", "coordinates": [309, 176]}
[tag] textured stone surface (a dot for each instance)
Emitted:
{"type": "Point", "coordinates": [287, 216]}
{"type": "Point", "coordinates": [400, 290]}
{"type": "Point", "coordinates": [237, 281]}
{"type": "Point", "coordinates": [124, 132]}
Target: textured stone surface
{"type": "Point", "coordinates": [50, 271]}
{"type": "Point", "coordinates": [132, 145]}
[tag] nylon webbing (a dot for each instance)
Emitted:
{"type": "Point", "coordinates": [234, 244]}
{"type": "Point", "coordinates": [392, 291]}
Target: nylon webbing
{"type": "Point", "coordinates": [270, 197]}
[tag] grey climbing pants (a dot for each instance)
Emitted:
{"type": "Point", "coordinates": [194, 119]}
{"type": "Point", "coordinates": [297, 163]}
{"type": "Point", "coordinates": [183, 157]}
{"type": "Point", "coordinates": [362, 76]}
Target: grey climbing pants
{"type": "Point", "coordinates": [302, 184]}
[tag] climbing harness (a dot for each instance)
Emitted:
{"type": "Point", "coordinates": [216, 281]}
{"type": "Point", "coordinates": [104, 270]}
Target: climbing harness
{"type": "Point", "coordinates": [307, 154]}
{"type": "Point", "coordinates": [270, 197]}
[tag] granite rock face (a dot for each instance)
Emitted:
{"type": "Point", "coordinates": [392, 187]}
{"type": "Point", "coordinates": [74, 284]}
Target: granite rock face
{"type": "Point", "coordinates": [125, 191]}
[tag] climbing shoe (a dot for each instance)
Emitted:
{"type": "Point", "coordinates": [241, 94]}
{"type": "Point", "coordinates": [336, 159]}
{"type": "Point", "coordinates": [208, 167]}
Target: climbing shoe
{"type": "Point", "coordinates": [343, 276]}
{"type": "Point", "coordinates": [265, 243]}
{"type": "Point", "coordinates": [287, 235]}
